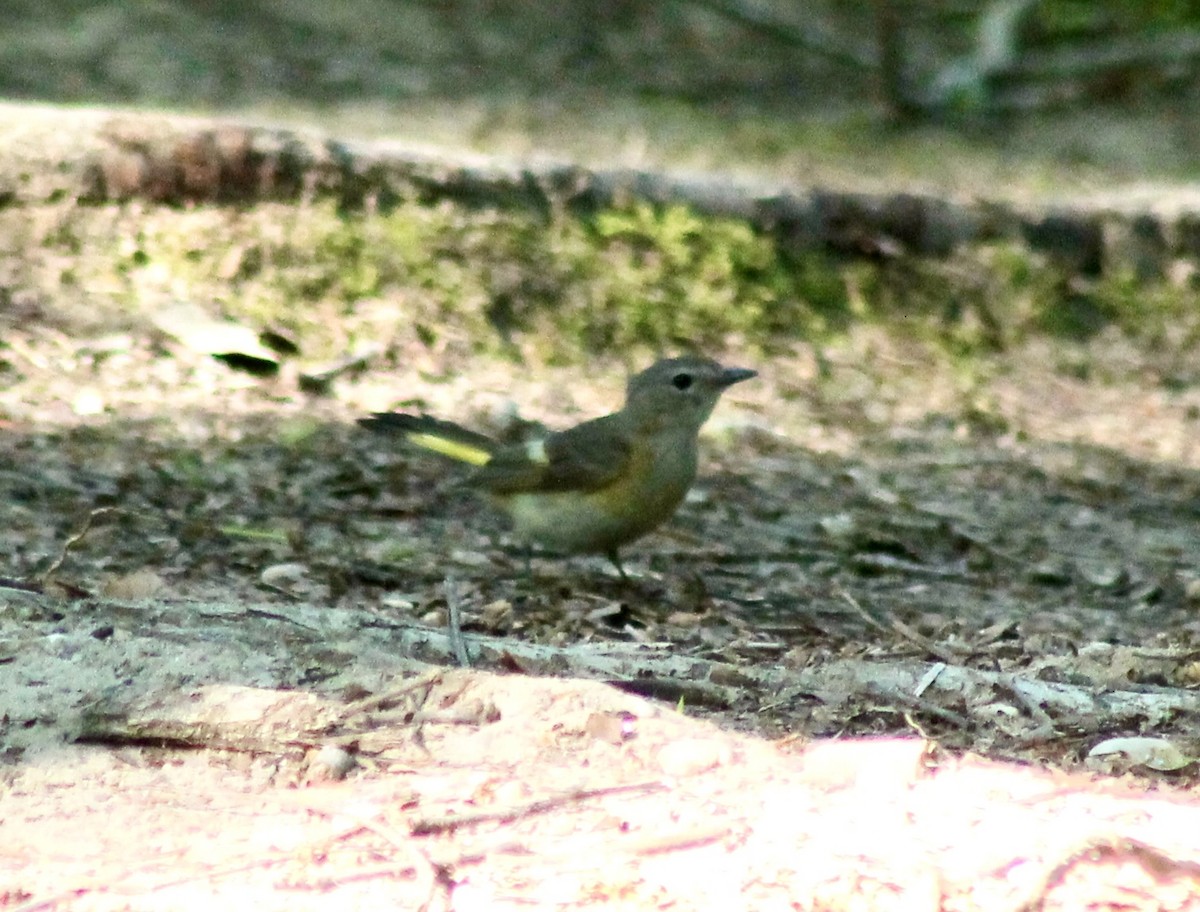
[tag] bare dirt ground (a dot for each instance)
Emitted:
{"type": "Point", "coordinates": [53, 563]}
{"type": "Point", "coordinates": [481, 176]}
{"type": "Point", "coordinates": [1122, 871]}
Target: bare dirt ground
{"type": "Point", "coordinates": [257, 604]}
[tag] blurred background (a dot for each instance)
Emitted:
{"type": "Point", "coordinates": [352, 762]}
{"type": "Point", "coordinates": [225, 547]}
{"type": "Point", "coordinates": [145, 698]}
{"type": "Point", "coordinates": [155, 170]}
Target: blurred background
{"type": "Point", "coordinates": [1091, 84]}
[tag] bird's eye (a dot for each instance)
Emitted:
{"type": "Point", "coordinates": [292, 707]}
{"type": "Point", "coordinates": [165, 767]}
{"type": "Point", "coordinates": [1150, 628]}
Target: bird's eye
{"type": "Point", "coordinates": [681, 381]}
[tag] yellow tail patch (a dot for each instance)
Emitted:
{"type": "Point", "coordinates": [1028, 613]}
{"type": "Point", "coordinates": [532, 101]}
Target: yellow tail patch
{"type": "Point", "coordinates": [453, 449]}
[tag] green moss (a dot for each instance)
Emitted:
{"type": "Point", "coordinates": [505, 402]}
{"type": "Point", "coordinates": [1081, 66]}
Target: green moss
{"type": "Point", "coordinates": [667, 277]}
{"type": "Point", "coordinates": [641, 276]}
{"type": "Point", "coordinates": [1160, 316]}
{"type": "Point", "coordinates": [561, 288]}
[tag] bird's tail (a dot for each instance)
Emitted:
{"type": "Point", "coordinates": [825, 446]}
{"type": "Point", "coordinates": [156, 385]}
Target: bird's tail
{"type": "Point", "coordinates": [443, 437]}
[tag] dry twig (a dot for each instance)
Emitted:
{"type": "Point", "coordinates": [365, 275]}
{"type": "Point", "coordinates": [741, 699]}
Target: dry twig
{"type": "Point", "coordinates": [433, 825]}
{"type": "Point", "coordinates": [454, 623]}
{"type": "Point", "coordinates": [72, 541]}
{"type": "Point", "coordinates": [895, 625]}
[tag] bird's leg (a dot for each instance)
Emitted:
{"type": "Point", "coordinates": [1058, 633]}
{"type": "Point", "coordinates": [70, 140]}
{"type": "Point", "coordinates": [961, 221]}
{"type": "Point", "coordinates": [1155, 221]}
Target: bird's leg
{"type": "Point", "coordinates": [616, 562]}
{"type": "Point", "coordinates": [529, 560]}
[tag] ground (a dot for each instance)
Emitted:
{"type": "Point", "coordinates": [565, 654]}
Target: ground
{"type": "Point", "coordinates": [935, 569]}
{"type": "Point", "coordinates": [862, 503]}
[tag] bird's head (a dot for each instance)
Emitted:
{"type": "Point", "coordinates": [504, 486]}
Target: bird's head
{"type": "Point", "coordinates": [680, 391]}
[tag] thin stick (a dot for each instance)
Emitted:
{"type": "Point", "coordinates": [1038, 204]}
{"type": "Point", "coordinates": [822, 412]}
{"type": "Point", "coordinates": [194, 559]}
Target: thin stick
{"type": "Point", "coordinates": [881, 692]}
{"type": "Point", "coordinates": [675, 842]}
{"type": "Point", "coordinates": [454, 624]}
{"type": "Point", "coordinates": [375, 701]}
{"type": "Point", "coordinates": [22, 585]}
{"type": "Point", "coordinates": [73, 540]}
{"type": "Point", "coordinates": [895, 625]}
{"type": "Point", "coordinates": [433, 825]}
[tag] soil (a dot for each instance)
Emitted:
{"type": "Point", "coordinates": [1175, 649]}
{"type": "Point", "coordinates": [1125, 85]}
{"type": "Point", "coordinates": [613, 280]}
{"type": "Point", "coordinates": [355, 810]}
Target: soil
{"type": "Point", "coordinates": [866, 501]}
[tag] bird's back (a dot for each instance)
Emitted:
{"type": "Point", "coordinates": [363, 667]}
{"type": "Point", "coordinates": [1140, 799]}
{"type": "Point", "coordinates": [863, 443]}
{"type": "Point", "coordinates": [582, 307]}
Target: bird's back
{"type": "Point", "coordinates": [655, 475]}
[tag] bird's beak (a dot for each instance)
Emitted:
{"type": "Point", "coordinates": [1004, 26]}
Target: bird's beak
{"type": "Point", "coordinates": [731, 375]}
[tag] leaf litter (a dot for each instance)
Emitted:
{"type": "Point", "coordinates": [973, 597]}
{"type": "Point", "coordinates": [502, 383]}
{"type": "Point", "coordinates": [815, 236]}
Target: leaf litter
{"type": "Point", "coordinates": [861, 519]}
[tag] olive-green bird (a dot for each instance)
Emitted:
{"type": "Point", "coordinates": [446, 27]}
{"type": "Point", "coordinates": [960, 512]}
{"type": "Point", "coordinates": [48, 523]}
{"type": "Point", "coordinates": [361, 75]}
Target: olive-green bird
{"type": "Point", "coordinates": [601, 484]}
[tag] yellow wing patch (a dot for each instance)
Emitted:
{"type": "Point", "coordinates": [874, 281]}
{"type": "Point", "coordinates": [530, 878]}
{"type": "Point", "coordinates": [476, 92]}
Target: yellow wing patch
{"type": "Point", "coordinates": [453, 449]}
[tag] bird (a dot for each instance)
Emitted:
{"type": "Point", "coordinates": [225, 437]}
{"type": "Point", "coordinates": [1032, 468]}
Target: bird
{"type": "Point", "coordinates": [602, 484]}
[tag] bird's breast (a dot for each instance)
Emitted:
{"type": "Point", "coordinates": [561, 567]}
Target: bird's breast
{"type": "Point", "coordinates": [658, 475]}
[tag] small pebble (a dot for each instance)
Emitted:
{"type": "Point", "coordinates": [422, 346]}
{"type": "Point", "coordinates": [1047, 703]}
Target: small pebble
{"type": "Point", "coordinates": [331, 764]}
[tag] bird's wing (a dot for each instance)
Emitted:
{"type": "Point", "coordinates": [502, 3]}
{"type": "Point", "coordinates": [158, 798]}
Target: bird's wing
{"type": "Point", "coordinates": [444, 437]}
{"type": "Point", "coordinates": [584, 458]}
